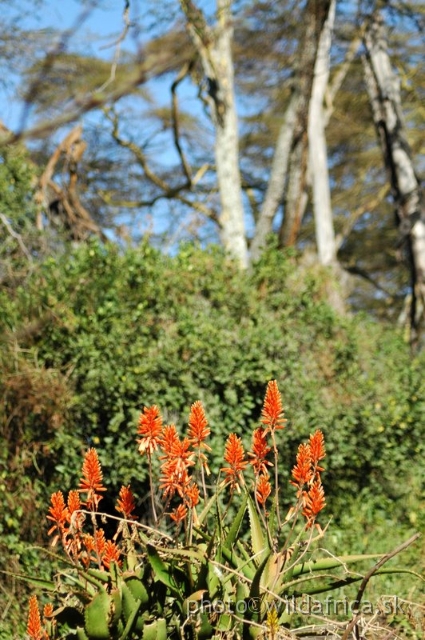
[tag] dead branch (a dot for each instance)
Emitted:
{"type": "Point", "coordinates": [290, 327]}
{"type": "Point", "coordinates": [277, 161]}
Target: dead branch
{"type": "Point", "coordinates": [78, 219]}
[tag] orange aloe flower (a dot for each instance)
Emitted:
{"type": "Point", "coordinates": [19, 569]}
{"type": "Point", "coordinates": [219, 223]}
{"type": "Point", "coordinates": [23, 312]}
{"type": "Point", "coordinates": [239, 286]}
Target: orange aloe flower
{"type": "Point", "coordinates": [95, 545]}
{"type": "Point", "coordinates": [177, 456]}
{"type": "Point", "coordinates": [173, 480]}
{"type": "Point", "coordinates": [234, 456]}
{"type": "Point", "coordinates": [317, 449]}
{"type": "Point", "coordinates": [125, 503]}
{"type": "Point", "coordinates": [169, 437]}
{"type": "Point", "coordinates": [74, 503]}
{"type": "Point", "coordinates": [58, 514]}
{"type": "Point", "coordinates": [150, 428]}
{"type": "Point", "coordinates": [198, 431]}
{"type": "Point", "coordinates": [91, 482]}
{"type": "Point", "coordinates": [34, 628]}
{"type": "Point", "coordinates": [180, 455]}
{"type": "Point", "coordinates": [262, 489]}
{"type": "Point", "coordinates": [302, 473]}
{"type": "Point", "coordinates": [259, 452]}
{"type": "Point", "coordinates": [191, 495]}
{"type": "Point", "coordinates": [111, 553]}
{"type": "Point", "coordinates": [272, 412]}
{"type": "Point", "coordinates": [198, 426]}
{"type": "Point", "coordinates": [179, 514]}
{"type": "Point", "coordinates": [314, 502]}
{"type": "Point", "coordinates": [48, 610]}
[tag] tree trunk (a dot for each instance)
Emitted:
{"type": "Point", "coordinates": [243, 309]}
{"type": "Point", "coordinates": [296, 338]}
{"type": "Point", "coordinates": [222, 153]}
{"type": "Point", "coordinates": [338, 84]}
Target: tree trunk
{"type": "Point", "coordinates": [384, 93]}
{"type": "Point", "coordinates": [289, 167]}
{"type": "Point", "coordinates": [318, 157]}
{"type": "Point", "coordinates": [276, 185]}
{"type": "Point", "coordinates": [215, 50]}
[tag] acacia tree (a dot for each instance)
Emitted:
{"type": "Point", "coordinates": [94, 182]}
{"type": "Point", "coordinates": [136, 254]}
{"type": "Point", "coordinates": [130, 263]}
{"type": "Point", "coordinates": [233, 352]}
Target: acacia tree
{"type": "Point", "coordinates": [239, 179]}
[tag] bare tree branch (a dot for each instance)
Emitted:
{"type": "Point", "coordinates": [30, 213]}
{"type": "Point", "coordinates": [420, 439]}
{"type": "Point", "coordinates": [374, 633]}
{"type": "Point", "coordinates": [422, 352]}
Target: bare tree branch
{"type": "Point", "coordinates": [17, 237]}
{"type": "Point", "coordinates": [175, 119]}
{"type": "Point", "coordinates": [154, 64]}
{"type": "Point", "coordinates": [168, 191]}
{"type": "Point", "coordinates": [117, 43]}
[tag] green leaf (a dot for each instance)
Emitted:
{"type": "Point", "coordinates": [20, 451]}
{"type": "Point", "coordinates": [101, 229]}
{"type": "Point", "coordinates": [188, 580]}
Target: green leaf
{"type": "Point", "coordinates": [258, 541]}
{"type": "Point", "coordinates": [161, 571]}
{"type": "Point", "coordinates": [254, 613]}
{"type": "Point", "coordinates": [325, 564]}
{"type": "Point", "coordinates": [130, 609]}
{"type": "Point", "coordinates": [236, 524]}
{"type": "Point", "coordinates": [137, 589]}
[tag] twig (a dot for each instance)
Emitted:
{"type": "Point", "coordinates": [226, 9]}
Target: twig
{"type": "Point", "coordinates": [118, 41]}
{"type": "Point", "coordinates": [375, 568]}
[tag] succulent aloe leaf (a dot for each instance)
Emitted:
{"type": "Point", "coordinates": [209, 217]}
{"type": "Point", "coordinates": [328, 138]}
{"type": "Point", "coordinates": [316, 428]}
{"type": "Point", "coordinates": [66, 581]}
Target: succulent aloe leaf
{"type": "Point", "coordinates": [48, 585]}
{"type": "Point", "coordinates": [97, 617]}
{"type": "Point", "coordinates": [137, 589]}
{"type": "Point", "coordinates": [246, 567]}
{"type": "Point", "coordinates": [81, 634]}
{"type": "Point", "coordinates": [201, 582]}
{"type": "Point", "coordinates": [325, 564]}
{"type": "Point", "coordinates": [236, 524]}
{"type": "Point", "coordinates": [133, 621]}
{"type": "Point", "coordinates": [161, 571]}
{"type": "Point", "coordinates": [205, 511]}
{"type": "Point", "coordinates": [155, 631]}
{"type": "Point", "coordinates": [258, 541]}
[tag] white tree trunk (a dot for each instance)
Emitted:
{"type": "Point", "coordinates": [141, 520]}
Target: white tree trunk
{"type": "Point", "coordinates": [276, 184]}
{"type": "Point", "coordinates": [318, 157]}
{"type": "Point", "coordinates": [215, 50]}
{"type": "Point", "coordinates": [288, 174]}
{"type": "Point", "coordinates": [233, 233]}
{"type": "Point", "coordinates": [384, 93]}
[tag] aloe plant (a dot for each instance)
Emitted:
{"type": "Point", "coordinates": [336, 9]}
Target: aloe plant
{"type": "Point", "coordinates": [233, 561]}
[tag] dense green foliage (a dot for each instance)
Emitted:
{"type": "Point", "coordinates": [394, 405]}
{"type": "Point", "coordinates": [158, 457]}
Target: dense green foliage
{"type": "Point", "coordinates": [93, 335]}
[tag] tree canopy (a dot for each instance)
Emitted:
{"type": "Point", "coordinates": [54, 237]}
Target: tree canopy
{"type": "Point", "coordinates": [193, 123]}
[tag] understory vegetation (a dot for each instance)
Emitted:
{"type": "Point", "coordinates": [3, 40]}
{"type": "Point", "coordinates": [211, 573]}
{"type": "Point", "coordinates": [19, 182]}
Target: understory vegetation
{"type": "Point", "coordinates": [92, 336]}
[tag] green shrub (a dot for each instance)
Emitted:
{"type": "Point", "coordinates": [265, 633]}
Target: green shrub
{"type": "Point", "coordinates": [97, 333]}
